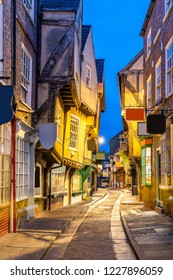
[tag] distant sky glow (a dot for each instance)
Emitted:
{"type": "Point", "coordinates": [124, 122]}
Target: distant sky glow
{"type": "Point", "coordinates": [116, 26]}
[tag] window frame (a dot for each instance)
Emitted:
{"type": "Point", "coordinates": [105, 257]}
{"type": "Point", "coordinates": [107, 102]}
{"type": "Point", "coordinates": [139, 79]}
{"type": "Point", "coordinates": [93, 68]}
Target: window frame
{"type": "Point", "coordinates": [169, 72]}
{"type": "Point", "coordinates": [59, 123]}
{"type": "Point", "coordinates": [149, 43]}
{"type": "Point", "coordinates": [29, 6]}
{"type": "Point", "coordinates": [88, 76]}
{"type": "Point", "coordinates": [144, 165]}
{"type": "Point", "coordinates": [74, 135]}
{"type": "Point", "coordinates": [26, 79]}
{"type": "Point", "coordinates": [149, 92]}
{"type": "Point", "coordinates": [167, 6]}
{"type": "Point", "coordinates": [22, 168]}
{"type": "Point", "coordinates": [5, 163]}
{"type": "Point", "coordinates": [158, 80]}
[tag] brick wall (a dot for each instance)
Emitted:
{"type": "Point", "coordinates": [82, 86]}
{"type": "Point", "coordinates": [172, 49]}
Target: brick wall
{"type": "Point", "coordinates": [4, 220]}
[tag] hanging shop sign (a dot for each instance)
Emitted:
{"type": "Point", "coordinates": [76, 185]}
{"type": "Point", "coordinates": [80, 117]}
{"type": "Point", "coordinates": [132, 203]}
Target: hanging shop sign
{"type": "Point", "coordinates": [135, 114]}
{"type": "Point", "coordinates": [156, 124]}
{"type": "Point", "coordinates": [142, 129]}
{"type": "Point", "coordinates": [91, 144]}
{"type": "Point", "coordinates": [48, 134]}
{"type": "Point", "coordinates": [6, 97]}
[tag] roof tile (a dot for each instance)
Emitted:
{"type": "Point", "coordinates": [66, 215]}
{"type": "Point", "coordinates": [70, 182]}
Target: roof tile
{"type": "Point", "coordinates": [85, 31]}
{"type": "Point", "coordinates": [100, 69]}
{"type": "Point", "coordinates": [60, 4]}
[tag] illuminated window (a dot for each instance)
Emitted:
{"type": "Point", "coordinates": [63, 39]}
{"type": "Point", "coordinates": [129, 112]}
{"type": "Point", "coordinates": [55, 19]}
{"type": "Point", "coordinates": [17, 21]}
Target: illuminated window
{"type": "Point", "coordinates": [165, 156]}
{"type": "Point", "coordinates": [158, 80]}
{"type": "Point", "coordinates": [5, 163]}
{"type": "Point", "coordinates": [169, 68]}
{"type": "Point", "coordinates": [26, 76]}
{"type": "Point", "coordinates": [149, 96]}
{"type": "Point", "coordinates": [88, 76]}
{"type": "Point", "coordinates": [74, 131]}
{"type": "Point", "coordinates": [146, 165]}
{"type": "Point", "coordinates": [22, 168]}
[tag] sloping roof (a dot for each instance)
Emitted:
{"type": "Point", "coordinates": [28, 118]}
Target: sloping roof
{"type": "Point", "coordinates": [132, 62]}
{"type": "Point", "coordinates": [60, 4]}
{"type": "Point", "coordinates": [85, 32]}
{"type": "Point", "coordinates": [147, 18]}
{"type": "Point", "coordinates": [100, 69]}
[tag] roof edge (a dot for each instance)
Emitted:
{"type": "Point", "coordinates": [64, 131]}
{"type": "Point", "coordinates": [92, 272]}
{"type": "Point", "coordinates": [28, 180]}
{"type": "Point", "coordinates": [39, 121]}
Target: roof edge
{"type": "Point", "coordinates": [147, 17]}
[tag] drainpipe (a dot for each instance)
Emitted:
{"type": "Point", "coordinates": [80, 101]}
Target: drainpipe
{"type": "Point", "coordinates": [14, 122]}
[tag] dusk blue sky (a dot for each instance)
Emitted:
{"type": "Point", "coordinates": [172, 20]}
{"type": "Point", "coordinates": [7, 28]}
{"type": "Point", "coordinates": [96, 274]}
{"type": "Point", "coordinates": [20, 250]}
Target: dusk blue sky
{"type": "Point", "coordinates": [116, 26]}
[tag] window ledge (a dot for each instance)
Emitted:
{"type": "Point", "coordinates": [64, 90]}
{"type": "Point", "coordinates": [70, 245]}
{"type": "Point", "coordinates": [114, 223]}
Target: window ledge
{"type": "Point", "coordinates": [157, 36]}
{"type": "Point", "coordinates": [78, 193]}
{"type": "Point", "coordinates": [161, 187]}
{"type": "Point", "coordinates": [148, 56]}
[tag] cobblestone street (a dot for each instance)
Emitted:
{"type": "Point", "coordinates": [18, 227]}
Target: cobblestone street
{"type": "Point", "coordinates": [97, 236]}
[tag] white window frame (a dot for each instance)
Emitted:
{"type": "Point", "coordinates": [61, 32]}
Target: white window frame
{"type": "Point", "coordinates": [165, 155]}
{"type": "Point", "coordinates": [74, 132]}
{"type": "Point", "coordinates": [158, 80]}
{"type": "Point", "coordinates": [59, 123]}
{"type": "Point", "coordinates": [169, 68]}
{"type": "Point", "coordinates": [26, 73]}
{"type": "Point", "coordinates": [167, 5]}
{"type": "Point", "coordinates": [1, 37]}
{"type": "Point", "coordinates": [149, 43]}
{"type": "Point", "coordinates": [5, 163]}
{"type": "Point", "coordinates": [88, 76]}
{"type": "Point", "coordinates": [29, 6]}
{"type": "Point", "coordinates": [22, 169]}
{"type": "Point", "coordinates": [149, 92]}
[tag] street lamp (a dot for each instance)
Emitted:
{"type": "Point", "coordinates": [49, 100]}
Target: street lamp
{"type": "Point", "coordinates": [101, 140]}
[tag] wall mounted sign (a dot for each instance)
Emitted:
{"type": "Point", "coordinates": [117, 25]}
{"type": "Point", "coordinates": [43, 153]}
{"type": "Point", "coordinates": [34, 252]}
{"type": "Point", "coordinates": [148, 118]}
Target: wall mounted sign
{"type": "Point", "coordinates": [135, 114]}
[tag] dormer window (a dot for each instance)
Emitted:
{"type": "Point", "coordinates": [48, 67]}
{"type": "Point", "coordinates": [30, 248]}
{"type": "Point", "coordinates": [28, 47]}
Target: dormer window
{"type": "Point", "coordinates": [88, 76]}
{"type": "Point", "coordinates": [149, 43]}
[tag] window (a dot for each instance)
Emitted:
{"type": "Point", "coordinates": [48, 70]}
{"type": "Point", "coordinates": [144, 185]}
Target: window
{"type": "Point", "coordinates": [146, 165]}
{"type": "Point", "coordinates": [1, 38]}
{"type": "Point", "coordinates": [88, 76]}
{"type": "Point", "coordinates": [22, 168]}
{"type": "Point", "coordinates": [149, 101]}
{"type": "Point", "coordinates": [165, 156]}
{"type": "Point", "coordinates": [59, 122]}
{"type": "Point", "coordinates": [158, 80]}
{"type": "Point", "coordinates": [5, 163]}
{"type": "Point", "coordinates": [57, 181]}
{"type": "Point", "coordinates": [29, 5]}
{"type": "Point", "coordinates": [169, 68]}
{"type": "Point", "coordinates": [149, 43]}
{"type": "Point", "coordinates": [74, 132]}
{"type": "Point", "coordinates": [167, 5]}
{"type": "Point", "coordinates": [75, 183]}
{"type": "Point", "coordinates": [26, 76]}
